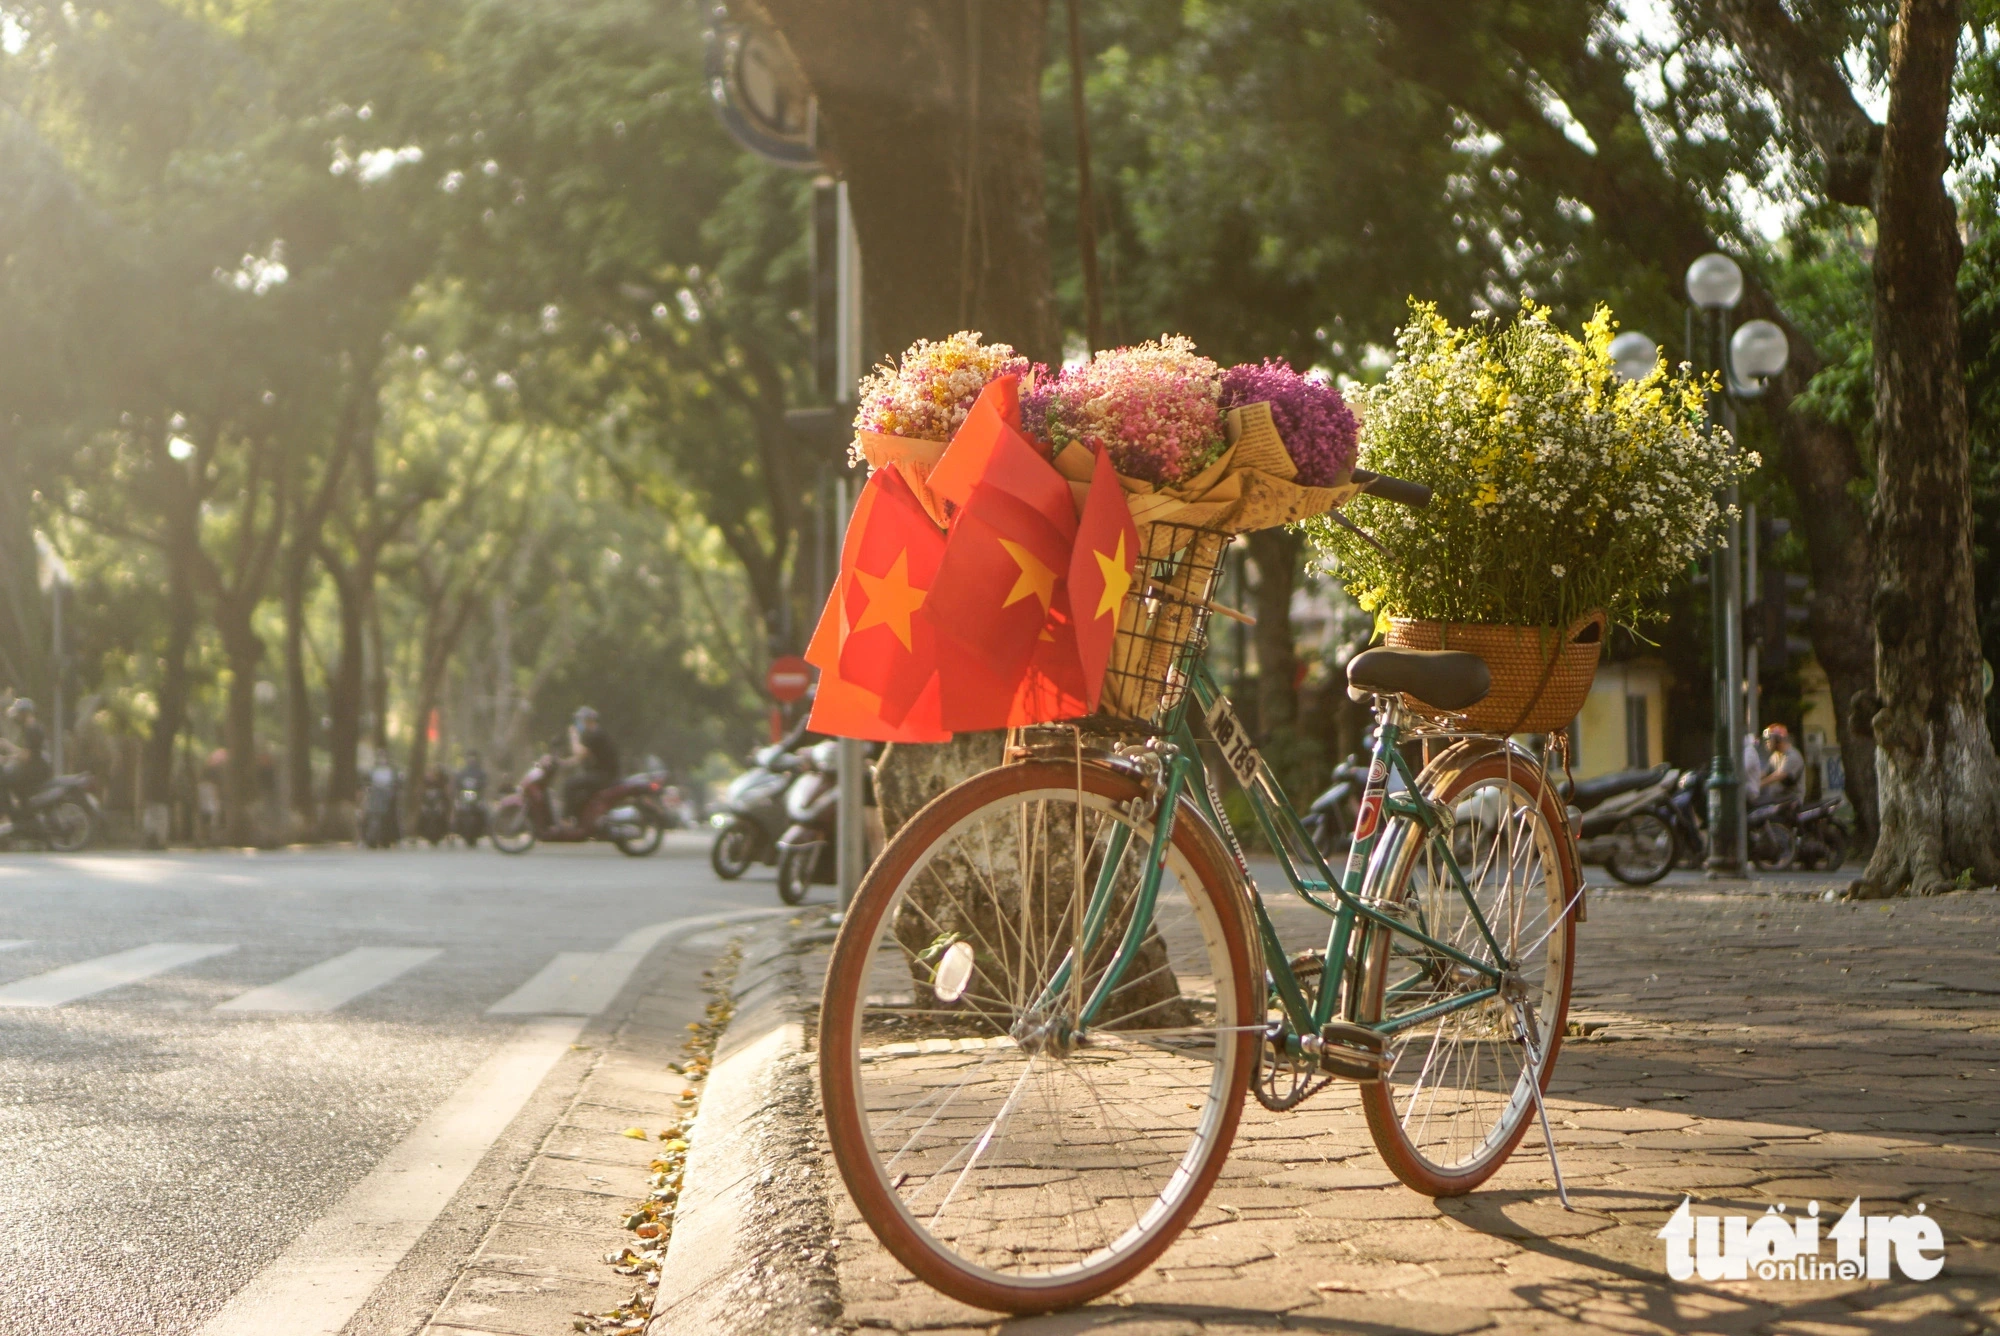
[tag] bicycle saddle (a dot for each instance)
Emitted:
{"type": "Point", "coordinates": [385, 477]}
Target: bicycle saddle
{"type": "Point", "coordinates": [1441, 678]}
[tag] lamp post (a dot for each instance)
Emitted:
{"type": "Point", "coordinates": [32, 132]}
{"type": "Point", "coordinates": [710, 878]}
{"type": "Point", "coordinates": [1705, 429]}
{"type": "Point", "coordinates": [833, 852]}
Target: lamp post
{"type": "Point", "coordinates": [1756, 352]}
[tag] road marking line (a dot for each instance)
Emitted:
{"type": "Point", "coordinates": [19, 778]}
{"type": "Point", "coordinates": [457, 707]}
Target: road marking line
{"type": "Point", "coordinates": [95, 976]}
{"type": "Point", "coordinates": [329, 1271]}
{"type": "Point", "coordinates": [331, 983]}
{"type": "Point", "coordinates": [16, 944]}
{"type": "Point", "coordinates": [316, 1284]}
{"type": "Point", "coordinates": [583, 983]}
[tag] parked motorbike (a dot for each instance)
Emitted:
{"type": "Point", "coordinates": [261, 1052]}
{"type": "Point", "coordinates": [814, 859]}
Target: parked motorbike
{"type": "Point", "coordinates": [1330, 819]}
{"type": "Point", "coordinates": [434, 808]}
{"type": "Point", "coordinates": [381, 808]}
{"type": "Point", "coordinates": [812, 802]}
{"type": "Point", "coordinates": [468, 807]}
{"type": "Point", "coordinates": [627, 813]}
{"type": "Point", "coordinates": [1823, 840]}
{"type": "Point", "coordinates": [751, 815]}
{"type": "Point", "coordinates": [63, 814]}
{"type": "Point", "coordinates": [1662, 826]}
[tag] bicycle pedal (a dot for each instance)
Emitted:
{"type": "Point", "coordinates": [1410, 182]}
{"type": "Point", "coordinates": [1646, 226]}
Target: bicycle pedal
{"type": "Point", "coordinates": [1351, 1051]}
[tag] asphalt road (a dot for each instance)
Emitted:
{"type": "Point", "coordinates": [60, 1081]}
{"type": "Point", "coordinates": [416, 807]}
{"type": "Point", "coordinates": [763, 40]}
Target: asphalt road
{"type": "Point", "coordinates": [203, 1055]}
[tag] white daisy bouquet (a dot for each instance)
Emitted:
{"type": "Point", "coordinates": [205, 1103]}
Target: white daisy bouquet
{"type": "Point", "coordinates": [1561, 490]}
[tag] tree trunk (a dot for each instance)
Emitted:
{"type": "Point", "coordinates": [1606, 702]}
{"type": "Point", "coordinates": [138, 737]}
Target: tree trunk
{"type": "Point", "coordinates": [182, 618]}
{"type": "Point", "coordinates": [244, 650]}
{"type": "Point", "coordinates": [939, 136]}
{"type": "Point", "coordinates": [936, 124]}
{"type": "Point", "coordinates": [1939, 779]}
{"type": "Point", "coordinates": [343, 709]}
{"type": "Point", "coordinates": [378, 668]}
{"type": "Point", "coordinates": [298, 701]}
{"type": "Point", "coordinates": [1819, 461]}
{"type": "Point", "coordinates": [1276, 552]}
{"type": "Point", "coordinates": [22, 628]}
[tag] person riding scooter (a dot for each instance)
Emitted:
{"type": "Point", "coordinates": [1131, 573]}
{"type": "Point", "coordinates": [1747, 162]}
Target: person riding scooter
{"type": "Point", "coordinates": [26, 767]}
{"type": "Point", "coordinates": [595, 758]}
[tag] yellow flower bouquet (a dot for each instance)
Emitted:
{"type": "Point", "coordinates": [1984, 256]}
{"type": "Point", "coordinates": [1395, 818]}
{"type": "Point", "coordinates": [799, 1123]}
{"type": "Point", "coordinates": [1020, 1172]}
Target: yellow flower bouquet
{"type": "Point", "coordinates": [1564, 496]}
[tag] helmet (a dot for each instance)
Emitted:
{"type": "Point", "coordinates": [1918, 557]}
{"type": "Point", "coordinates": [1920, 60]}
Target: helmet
{"type": "Point", "coordinates": [585, 716]}
{"type": "Point", "coordinates": [1776, 731]}
{"type": "Point", "coordinates": [22, 705]}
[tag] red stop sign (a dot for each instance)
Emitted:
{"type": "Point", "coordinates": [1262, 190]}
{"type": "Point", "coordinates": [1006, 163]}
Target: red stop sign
{"type": "Point", "coordinates": [788, 678]}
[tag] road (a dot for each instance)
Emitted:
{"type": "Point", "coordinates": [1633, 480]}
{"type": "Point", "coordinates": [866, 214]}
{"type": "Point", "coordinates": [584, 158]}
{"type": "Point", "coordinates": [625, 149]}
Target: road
{"type": "Point", "coordinates": [203, 1055]}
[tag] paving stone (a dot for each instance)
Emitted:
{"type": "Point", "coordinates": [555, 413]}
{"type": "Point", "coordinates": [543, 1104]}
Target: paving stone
{"type": "Point", "coordinates": [1349, 1311]}
{"type": "Point", "coordinates": [1310, 1203]}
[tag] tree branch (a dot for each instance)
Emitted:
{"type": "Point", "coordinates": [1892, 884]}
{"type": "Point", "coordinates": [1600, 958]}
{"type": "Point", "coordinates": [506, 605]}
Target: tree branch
{"type": "Point", "coordinates": [1810, 89]}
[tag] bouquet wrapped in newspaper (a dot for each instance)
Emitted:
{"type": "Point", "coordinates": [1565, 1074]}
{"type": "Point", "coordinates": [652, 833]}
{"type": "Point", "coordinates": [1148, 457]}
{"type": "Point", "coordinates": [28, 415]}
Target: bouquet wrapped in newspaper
{"type": "Point", "coordinates": [1033, 547]}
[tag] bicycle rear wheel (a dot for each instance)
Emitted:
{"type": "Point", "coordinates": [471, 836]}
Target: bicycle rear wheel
{"type": "Point", "coordinates": [1007, 1163]}
{"type": "Point", "coordinates": [1455, 1100]}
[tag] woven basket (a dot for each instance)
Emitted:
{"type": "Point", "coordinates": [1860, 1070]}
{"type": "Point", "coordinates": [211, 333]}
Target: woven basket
{"type": "Point", "coordinates": [1540, 674]}
{"type": "Point", "coordinates": [1165, 614]}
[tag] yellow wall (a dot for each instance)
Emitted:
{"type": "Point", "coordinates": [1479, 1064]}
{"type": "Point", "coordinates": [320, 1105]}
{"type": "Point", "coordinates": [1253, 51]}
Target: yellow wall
{"type": "Point", "coordinates": [1601, 723]}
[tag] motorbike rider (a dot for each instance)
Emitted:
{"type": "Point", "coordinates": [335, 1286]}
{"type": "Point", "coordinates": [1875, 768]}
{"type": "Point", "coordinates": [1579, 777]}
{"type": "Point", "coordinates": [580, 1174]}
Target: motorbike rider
{"type": "Point", "coordinates": [26, 763]}
{"type": "Point", "coordinates": [1786, 768]}
{"type": "Point", "coordinates": [472, 773]}
{"type": "Point", "coordinates": [594, 758]}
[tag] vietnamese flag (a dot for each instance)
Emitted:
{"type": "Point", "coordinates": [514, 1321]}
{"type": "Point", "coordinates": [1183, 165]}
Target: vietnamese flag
{"type": "Point", "coordinates": [888, 571]}
{"type": "Point", "coordinates": [1053, 686]}
{"type": "Point", "coordinates": [1002, 569]}
{"type": "Point", "coordinates": [995, 415]}
{"type": "Point", "coordinates": [848, 708]}
{"type": "Point", "coordinates": [1101, 568]}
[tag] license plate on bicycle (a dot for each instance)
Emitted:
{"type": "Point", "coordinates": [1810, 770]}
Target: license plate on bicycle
{"type": "Point", "coordinates": [1233, 740]}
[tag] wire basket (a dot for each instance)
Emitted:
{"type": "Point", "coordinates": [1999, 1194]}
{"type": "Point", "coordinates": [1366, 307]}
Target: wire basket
{"type": "Point", "coordinates": [1162, 627]}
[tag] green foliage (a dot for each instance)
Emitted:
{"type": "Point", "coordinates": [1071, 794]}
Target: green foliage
{"type": "Point", "coordinates": [1560, 489]}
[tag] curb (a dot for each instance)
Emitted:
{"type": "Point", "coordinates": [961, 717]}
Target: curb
{"type": "Point", "coordinates": [752, 1243]}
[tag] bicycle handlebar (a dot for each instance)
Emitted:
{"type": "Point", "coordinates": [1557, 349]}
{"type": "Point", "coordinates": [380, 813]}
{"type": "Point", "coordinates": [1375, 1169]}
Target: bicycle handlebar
{"type": "Point", "coordinates": [1412, 494]}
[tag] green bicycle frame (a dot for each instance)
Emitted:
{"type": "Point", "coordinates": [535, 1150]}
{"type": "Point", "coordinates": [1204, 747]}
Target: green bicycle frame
{"type": "Point", "coordinates": [1345, 899]}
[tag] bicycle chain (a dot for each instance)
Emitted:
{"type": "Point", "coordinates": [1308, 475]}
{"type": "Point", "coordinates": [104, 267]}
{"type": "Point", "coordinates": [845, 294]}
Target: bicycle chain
{"type": "Point", "coordinates": [1283, 1080]}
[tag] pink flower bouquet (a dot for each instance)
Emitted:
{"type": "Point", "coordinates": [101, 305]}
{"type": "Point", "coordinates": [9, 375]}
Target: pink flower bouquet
{"type": "Point", "coordinates": [1156, 407]}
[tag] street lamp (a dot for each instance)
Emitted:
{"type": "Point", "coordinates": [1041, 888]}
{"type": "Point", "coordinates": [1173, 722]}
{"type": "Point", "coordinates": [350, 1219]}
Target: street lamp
{"type": "Point", "coordinates": [1634, 356]}
{"type": "Point", "coordinates": [1757, 351]}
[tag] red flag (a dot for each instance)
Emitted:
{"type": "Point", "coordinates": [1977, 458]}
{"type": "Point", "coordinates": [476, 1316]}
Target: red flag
{"type": "Point", "coordinates": [844, 708]}
{"type": "Point", "coordinates": [888, 649]}
{"type": "Point", "coordinates": [995, 413]}
{"type": "Point", "coordinates": [1101, 568]}
{"type": "Point", "coordinates": [999, 578]}
{"type": "Point", "coordinates": [1053, 686]}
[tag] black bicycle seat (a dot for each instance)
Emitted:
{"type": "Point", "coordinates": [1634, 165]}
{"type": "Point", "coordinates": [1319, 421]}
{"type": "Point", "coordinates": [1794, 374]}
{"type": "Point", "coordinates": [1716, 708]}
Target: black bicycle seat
{"type": "Point", "coordinates": [1443, 679]}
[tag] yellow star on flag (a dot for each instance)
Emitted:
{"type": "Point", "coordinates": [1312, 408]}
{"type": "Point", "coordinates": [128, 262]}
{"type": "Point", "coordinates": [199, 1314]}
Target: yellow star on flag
{"type": "Point", "coordinates": [1035, 578]}
{"type": "Point", "coordinates": [891, 598]}
{"type": "Point", "coordinates": [1117, 579]}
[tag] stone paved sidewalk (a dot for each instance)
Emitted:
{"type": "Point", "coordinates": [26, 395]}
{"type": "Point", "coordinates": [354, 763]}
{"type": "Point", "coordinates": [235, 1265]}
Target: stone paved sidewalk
{"type": "Point", "coordinates": [1745, 1047]}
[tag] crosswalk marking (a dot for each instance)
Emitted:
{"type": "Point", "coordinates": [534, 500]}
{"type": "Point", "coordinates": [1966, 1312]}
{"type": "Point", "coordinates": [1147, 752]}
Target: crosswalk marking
{"type": "Point", "coordinates": [327, 985]}
{"type": "Point", "coordinates": [575, 983]}
{"type": "Point", "coordinates": [583, 983]}
{"type": "Point", "coordinates": [105, 972]}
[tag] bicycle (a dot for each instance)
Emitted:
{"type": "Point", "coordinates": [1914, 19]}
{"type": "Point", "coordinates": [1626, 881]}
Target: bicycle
{"type": "Point", "coordinates": [1052, 989]}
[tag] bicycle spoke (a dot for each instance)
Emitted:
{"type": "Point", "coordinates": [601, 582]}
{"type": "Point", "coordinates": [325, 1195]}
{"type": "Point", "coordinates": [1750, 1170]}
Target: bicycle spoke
{"type": "Point", "coordinates": [1014, 1146]}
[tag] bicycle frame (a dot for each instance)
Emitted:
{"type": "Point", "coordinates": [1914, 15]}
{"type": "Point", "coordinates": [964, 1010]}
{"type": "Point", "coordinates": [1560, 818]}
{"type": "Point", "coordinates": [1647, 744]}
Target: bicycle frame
{"type": "Point", "coordinates": [1345, 899]}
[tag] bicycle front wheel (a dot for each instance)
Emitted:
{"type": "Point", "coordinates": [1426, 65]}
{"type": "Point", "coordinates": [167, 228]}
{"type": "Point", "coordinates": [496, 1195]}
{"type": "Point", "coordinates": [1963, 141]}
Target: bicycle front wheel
{"type": "Point", "coordinates": [1455, 1098]}
{"type": "Point", "coordinates": [1004, 1157]}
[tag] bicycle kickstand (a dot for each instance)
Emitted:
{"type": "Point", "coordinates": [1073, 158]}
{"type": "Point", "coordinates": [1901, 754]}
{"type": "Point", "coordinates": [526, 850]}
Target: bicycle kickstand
{"type": "Point", "coordinates": [1521, 1019]}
